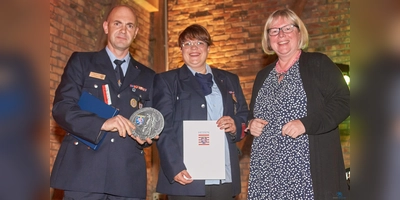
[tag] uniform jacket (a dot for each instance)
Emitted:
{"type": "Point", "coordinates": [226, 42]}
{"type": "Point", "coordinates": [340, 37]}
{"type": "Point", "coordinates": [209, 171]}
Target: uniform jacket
{"type": "Point", "coordinates": [117, 167]}
{"type": "Point", "coordinates": [178, 96]}
{"type": "Point", "coordinates": [328, 104]}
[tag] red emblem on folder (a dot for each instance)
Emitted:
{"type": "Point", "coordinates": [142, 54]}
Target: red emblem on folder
{"type": "Point", "coordinates": [204, 139]}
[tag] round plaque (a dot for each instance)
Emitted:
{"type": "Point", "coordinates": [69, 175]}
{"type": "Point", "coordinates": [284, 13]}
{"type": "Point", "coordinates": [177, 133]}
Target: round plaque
{"type": "Point", "coordinates": [149, 123]}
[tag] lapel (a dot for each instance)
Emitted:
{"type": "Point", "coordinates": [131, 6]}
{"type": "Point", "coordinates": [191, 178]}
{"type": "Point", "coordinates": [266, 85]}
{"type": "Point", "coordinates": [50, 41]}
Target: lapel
{"type": "Point", "coordinates": [132, 72]}
{"type": "Point", "coordinates": [221, 80]}
{"type": "Point", "coordinates": [264, 75]}
{"type": "Point", "coordinates": [187, 79]}
{"type": "Point", "coordinates": [103, 61]}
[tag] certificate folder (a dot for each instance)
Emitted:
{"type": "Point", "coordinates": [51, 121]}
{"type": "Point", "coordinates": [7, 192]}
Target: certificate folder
{"type": "Point", "coordinates": [204, 149]}
{"type": "Point", "coordinates": [92, 104]}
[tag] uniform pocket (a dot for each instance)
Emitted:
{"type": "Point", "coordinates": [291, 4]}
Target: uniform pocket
{"type": "Point", "coordinates": [94, 87]}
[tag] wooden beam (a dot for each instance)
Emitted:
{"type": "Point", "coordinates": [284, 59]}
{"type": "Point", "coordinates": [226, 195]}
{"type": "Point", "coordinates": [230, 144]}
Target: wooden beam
{"type": "Point", "coordinates": [149, 5]}
{"type": "Point", "coordinates": [158, 38]}
{"type": "Point", "coordinates": [298, 7]}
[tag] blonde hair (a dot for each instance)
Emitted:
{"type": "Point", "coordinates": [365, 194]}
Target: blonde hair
{"type": "Point", "coordinates": [287, 14]}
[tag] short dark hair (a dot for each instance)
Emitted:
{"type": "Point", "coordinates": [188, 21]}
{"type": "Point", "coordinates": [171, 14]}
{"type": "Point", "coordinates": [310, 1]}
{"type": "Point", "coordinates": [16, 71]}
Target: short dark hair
{"type": "Point", "coordinates": [194, 31]}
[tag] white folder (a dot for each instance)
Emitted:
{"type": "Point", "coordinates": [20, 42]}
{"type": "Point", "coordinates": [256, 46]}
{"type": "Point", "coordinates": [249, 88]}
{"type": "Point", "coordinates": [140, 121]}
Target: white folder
{"type": "Point", "coordinates": [204, 149]}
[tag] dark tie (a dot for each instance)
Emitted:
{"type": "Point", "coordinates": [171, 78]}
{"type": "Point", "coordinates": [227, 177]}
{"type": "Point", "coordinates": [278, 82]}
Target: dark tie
{"type": "Point", "coordinates": [205, 81]}
{"type": "Point", "coordinates": [118, 71]}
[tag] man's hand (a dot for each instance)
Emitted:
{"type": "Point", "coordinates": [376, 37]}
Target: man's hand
{"type": "Point", "coordinates": [118, 124]}
{"type": "Point", "coordinates": [124, 127]}
{"type": "Point", "coordinates": [148, 140]}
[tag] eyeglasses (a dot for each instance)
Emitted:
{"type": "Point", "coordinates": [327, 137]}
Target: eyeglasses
{"type": "Point", "coordinates": [285, 29]}
{"type": "Point", "coordinates": [189, 44]}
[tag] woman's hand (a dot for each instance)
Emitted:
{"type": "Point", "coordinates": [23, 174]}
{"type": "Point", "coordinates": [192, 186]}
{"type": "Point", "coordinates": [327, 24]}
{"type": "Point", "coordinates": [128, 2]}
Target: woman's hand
{"type": "Point", "coordinates": [256, 126]}
{"type": "Point", "coordinates": [293, 129]}
{"type": "Point", "coordinates": [227, 123]}
{"type": "Point", "coordinates": [183, 177]}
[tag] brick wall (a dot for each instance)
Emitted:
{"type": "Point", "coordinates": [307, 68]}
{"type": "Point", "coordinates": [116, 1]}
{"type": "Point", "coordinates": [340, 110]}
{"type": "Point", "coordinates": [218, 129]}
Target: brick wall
{"type": "Point", "coordinates": [236, 27]}
{"type": "Point", "coordinates": [73, 27]}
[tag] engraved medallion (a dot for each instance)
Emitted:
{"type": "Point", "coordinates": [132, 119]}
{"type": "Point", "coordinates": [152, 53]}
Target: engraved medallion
{"type": "Point", "coordinates": [149, 123]}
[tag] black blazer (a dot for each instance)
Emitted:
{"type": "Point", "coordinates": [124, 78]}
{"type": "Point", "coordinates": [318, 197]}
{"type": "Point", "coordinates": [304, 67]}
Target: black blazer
{"type": "Point", "coordinates": [178, 96]}
{"type": "Point", "coordinates": [118, 167]}
{"type": "Point", "coordinates": [328, 104]}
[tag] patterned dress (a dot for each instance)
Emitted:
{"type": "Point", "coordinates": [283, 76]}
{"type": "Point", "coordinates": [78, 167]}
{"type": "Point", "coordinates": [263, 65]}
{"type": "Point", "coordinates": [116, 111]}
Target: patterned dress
{"type": "Point", "coordinates": [280, 165]}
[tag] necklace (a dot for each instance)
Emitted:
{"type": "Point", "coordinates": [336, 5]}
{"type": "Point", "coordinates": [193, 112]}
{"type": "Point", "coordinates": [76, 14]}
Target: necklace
{"type": "Point", "coordinates": [281, 73]}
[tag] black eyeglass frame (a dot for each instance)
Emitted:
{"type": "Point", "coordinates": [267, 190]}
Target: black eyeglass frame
{"type": "Point", "coordinates": [281, 29]}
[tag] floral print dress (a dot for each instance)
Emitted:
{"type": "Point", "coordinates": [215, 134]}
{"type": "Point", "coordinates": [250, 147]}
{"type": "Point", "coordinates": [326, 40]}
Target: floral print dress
{"type": "Point", "coordinates": [280, 165]}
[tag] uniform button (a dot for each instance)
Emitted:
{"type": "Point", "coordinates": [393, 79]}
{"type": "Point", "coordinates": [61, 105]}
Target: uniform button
{"type": "Point", "coordinates": [95, 86]}
{"type": "Point", "coordinates": [141, 152]}
{"type": "Point", "coordinates": [67, 133]}
{"type": "Point", "coordinates": [203, 106]}
{"type": "Point", "coordinates": [118, 95]}
{"type": "Point", "coordinates": [177, 98]}
{"type": "Point", "coordinates": [112, 139]}
{"type": "Point", "coordinates": [76, 143]}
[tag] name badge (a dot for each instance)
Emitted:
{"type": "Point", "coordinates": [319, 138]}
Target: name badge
{"type": "Point", "coordinates": [97, 75]}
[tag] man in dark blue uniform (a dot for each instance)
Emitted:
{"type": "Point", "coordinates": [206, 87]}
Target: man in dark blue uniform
{"type": "Point", "coordinates": [117, 169]}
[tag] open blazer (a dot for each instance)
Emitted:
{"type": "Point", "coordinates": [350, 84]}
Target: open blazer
{"type": "Point", "coordinates": [328, 104]}
{"type": "Point", "coordinates": [178, 96]}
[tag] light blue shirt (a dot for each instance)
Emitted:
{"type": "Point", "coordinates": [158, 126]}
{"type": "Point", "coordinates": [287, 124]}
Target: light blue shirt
{"type": "Point", "coordinates": [215, 110]}
{"type": "Point", "coordinates": [124, 65]}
